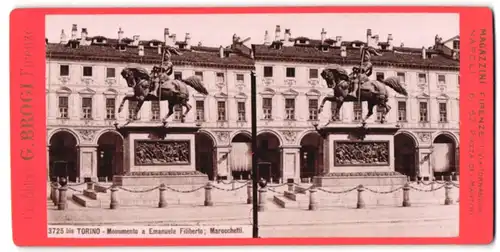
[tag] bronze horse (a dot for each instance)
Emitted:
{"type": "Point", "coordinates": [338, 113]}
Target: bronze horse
{"type": "Point", "coordinates": [372, 91]}
{"type": "Point", "coordinates": [140, 81]}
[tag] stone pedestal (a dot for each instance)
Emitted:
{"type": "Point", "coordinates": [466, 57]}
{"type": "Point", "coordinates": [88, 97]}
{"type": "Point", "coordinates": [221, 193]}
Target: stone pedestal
{"type": "Point", "coordinates": [156, 154]}
{"type": "Point", "coordinates": [355, 155]}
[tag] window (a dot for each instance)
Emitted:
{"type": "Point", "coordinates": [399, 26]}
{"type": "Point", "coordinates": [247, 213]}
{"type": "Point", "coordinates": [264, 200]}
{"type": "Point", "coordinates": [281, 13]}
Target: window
{"type": "Point", "coordinates": [401, 111]}
{"type": "Point", "coordinates": [380, 112]}
{"type": "Point", "coordinates": [110, 72]}
{"type": "Point", "coordinates": [423, 111]}
{"type": "Point", "coordinates": [178, 75]}
{"type": "Point", "coordinates": [240, 78]}
{"type": "Point", "coordinates": [221, 111]}
{"type": "Point", "coordinates": [87, 107]}
{"type": "Point", "coordinates": [241, 112]}
{"type": "Point", "coordinates": [155, 110]}
{"type": "Point", "coordinates": [87, 71]}
{"type": "Point", "coordinates": [290, 109]}
{"type": "Point", "coordinates": [456, 44]}
{"type": "Point", "coordinates": [441, 79]}
{"type": "Point", "coordinates": [290, 72]}
{"type": "Point", "coordinates": [422, 78]}
{"type": "Point", "coordinates": [220, 77]}
{"type": "Point", "coordinates": [110, 108]}
{"type": "Point", "coordinates": [267, 108]}
{"type": "Point", "coordinates": [313, 109]}
{"type": "Point", "coordinates": [199, 74]}
{"type": "Point", "coordinates": [63, 70]}
{"type": "Point", "coordinates": [63, 107]}
{"type": "Point", "coordinates": [379, 76]}
{"type": "Point", "coordinates": [443, 115]}
{"type": "Point", "coordinates": [313, 73]}
{"type": "Point", "coordinates": [131, 109]}
{"type": "Point", "coordinates": [358, 111]}
{"type": "Point", "coordinates": [177, 112]}
{"type": "Point", "coordinates": [200, 111]}
{"type": "Point", "coordinates": [268, 71]}
{"type": "Point", "coordinates": [401, 77]}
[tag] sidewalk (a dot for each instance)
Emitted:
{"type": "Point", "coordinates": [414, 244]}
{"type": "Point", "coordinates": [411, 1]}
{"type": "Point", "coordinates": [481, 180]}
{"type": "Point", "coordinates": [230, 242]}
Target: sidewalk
{"type": "Point", "coordinates": [242, 214]}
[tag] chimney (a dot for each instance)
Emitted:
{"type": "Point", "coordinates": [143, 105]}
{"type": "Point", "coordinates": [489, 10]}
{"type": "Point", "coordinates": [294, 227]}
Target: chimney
{"type": "Point", "coordinates": [343, 51]}
{"type": "Point", "coordinates": [200, 44]}
{"type": "Point", "coordinates": [402, 44]}
{"type": "Point", "coordinates": [235, 38]}
{"type": "Point", "coordinates": [166, 37]}
{"type": "Point", "coordinates": [120, 34]}
{"type": "Point", "coordinates": [389, 41]}
{"type": "Point", "coordinates": [141, 50]}
{"type": "Point", "coordinates": [173, 38]}
{"type": "Point", "coordinates": [424, 53]}
{"type": "Point", "coordinates": [287, 35]}
{"type": "Point", "coordinates": [84, 34]}
{"type": "Point", "coordinates": [74, 30]}
{"type": "Point", "coordinates": [368, 35]}
{"type": "Point", "coordinates": [159, 49]}
{"type": "Point", "coordinates": [376, 39]}
{"type": "Point", "coordinates": [338, 40]}
{"type": "Point", "coordinates": [221, 52]}
{"type": "Point", "coordinates": [187, 39]}
{"type": "Point", "coordinates": [323, 35]}
{"type": "Point", "coordinates": [136, 40]}
{"type": "Point", "coordinates": [64, 39]}
{"type": "Point", "coordinates": [277, 34]}
{"type": "Point", "coordinates": [266, 38]}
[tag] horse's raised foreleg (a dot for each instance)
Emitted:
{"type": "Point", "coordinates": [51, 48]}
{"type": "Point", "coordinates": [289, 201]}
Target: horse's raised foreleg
{"type": "Point", "coordinates": [188, 108]}
{"type": "Point", "coordinates": [126, 98]}
{"type": "Point", "coordinates": [322, 104]}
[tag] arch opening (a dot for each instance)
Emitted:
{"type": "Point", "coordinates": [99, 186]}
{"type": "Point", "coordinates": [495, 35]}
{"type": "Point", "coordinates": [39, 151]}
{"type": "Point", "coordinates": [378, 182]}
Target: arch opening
{"type": "Point", "coordinates": [405, 155]}
{"type": "Point", "coordinates": [269, 160]}
{"type": "Point", "coordinates": [205, 154]}
{"type": "Point", "coordinates": [241, 156]}
{"type": "Point", "coordinates": [109, 156]}
{"type": "Point", "coordinates": [444, 154]}
{"type": "Point", "coordinates": [311, 156]}
{"type": "Point", "coordinates": [63, 156]}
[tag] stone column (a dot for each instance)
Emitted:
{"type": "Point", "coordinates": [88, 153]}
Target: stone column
{"type": "Point", "coordinates": [48, 162]}
{"type": "Point", "coordinates": [88, 161]}
{"type": "Point", "coordinates": [223, 160]}
{"type": "Point", "coordinates": [290, 163]}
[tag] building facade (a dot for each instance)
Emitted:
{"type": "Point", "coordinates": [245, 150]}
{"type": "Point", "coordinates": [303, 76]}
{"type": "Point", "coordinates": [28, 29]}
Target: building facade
{"type": "Point", "coordinates": [84, 90]}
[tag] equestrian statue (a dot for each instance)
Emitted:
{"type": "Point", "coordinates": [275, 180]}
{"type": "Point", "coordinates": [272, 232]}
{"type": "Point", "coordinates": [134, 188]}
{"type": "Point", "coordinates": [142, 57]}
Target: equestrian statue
{"type": "Point", "coordinates": [159, 86]}
{"type": "Point", "coordinates": [357, 87]}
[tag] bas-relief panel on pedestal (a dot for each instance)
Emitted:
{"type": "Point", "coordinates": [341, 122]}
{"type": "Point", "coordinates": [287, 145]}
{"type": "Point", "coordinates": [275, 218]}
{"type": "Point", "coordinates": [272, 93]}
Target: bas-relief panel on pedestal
{"type": "Point", "coordinates": [162, 152]}
{"type": "Point", "coordinates": [361, 153]}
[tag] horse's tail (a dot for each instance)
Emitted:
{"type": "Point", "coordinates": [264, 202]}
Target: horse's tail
{"type": "Point", "coordinates": [196, 83]}
{"type": "Point", "coordinates": [394, 83]}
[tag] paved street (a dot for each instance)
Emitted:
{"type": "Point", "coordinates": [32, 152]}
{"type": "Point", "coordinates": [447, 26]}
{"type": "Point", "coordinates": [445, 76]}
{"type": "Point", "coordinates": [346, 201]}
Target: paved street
{"type": "Point", "coordinates": [430, 220]}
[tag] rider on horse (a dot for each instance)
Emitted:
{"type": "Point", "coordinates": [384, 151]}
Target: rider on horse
{"type": "Point", "coordinates": [161, 74]}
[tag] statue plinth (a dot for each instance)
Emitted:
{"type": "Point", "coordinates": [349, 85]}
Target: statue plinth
{"type": "Point", "coordinates": [155, 154]}
{"type": "Point", "coordinates": [355, 155]}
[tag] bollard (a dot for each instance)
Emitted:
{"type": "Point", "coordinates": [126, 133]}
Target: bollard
{"type": "Point", "coordinates": [208, 195]}
{"type": "Point", "coordinates": [162, 202]}
{"type": "Point", "coordinates": [313, 203]}
{"type": "Point", "coordinates": [233, 182]}
{"type": "Point", "coordinates": [53, 192]}
{"type": "Point", "coordinates": [90, 186]}
{"type": "Point", "coordinates": [61, 205]}
{"type": "Point", "coordinates": [447, 192]}
{"type": "Point", "coordinates": [361, 203]}
{"type": "Point", "coordinates": [114, 201]}
{"type": "Point", "coordinates": [290, 186]}
{"type": "Point", "coordinates": [458, 178]}
{"type": "Point", "coordinates": [406, 195]}
{"type": "Point", "coordinates": [249, 193]}
{"type": "Point", "coordinates": [262, 199]}
{"type": "Point", "coordinates": [451, 178]}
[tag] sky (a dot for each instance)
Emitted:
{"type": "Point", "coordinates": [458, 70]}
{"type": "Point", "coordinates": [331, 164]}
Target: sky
{"type": "Point", "coordinates": [413, 29]}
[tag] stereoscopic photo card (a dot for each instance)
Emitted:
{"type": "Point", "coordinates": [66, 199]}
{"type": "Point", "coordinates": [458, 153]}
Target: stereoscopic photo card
{"type": "Point", "coordinates": [252, 126]}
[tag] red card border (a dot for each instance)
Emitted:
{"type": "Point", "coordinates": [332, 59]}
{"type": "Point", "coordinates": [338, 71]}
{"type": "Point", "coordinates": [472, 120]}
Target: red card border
{"type": "Point", "coordinates": [29, 176]}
